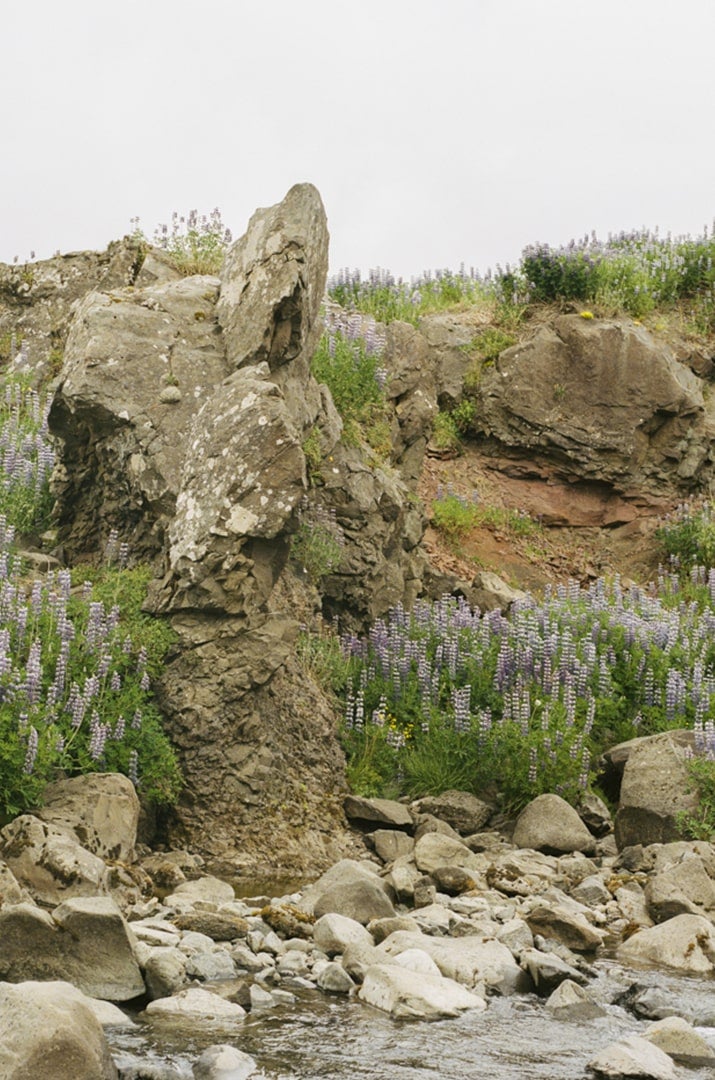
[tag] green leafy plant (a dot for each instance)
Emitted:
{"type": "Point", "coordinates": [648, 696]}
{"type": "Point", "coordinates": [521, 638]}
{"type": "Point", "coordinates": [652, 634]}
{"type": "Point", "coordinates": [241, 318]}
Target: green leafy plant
{"type": "Point", "coordinates": [317, 544]}
{"type": "Point", "coordinates": [688, 534]}
{"type": "Point", "coordinates": [26, 456]}
{"type": "Point", "coordinates": [454, 515]}
{"type": "Point", "coordinates": [445, 434]}
{"type": "Point", "coordinates": [700, 823]}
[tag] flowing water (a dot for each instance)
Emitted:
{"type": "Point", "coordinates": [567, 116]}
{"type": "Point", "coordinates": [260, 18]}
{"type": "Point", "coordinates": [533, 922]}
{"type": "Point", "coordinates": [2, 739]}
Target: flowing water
{"type": "Point", "coordinates": [514, 1039]}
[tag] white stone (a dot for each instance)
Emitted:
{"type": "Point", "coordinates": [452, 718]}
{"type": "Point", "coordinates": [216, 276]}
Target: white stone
{"type": "Point", "coordinates": [409, 995]}
{"type": "Point", "coordinates": [196, 1005]}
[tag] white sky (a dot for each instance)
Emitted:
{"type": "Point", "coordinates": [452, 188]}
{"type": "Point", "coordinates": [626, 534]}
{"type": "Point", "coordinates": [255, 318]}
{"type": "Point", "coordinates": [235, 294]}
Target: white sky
{"type": "Point", "coordinates": [437, 131]}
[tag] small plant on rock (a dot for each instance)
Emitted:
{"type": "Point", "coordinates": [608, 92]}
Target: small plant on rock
{"type": "Point", "coordinates": [317, 545]}
{"type": "Point", "coordinates": [196, 244]}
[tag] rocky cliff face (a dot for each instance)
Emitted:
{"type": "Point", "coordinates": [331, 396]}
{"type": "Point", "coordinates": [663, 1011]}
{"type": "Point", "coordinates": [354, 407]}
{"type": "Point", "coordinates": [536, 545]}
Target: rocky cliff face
{"type": "Point", "coordinates": [180, 413]}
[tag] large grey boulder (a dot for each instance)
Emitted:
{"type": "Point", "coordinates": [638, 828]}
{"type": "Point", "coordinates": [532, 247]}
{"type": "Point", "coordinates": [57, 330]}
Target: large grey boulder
{"type": "Point", "coordinates": [433, 850]}
{"type": "Point", "coordinates": [333, 933]}
{"type": "Point", "coordinates": [682, 881]}
{"type": "Point", "coordinates": [626, 413]}
{"type": "Point", "coordinates": [685, 943]}
{"type": "Point", "coordinates": [655, 789]}
{"type": "Point", "coordinates": [359, 900]}
{"type": "Point", "coordinates": [386, 812]}
{"type": "Point", "coordinates": [460, 809]}
{"type": "Point", "coordinates": [411, 995]}
{"type": "Point", "coordinates": [48, 1029]}
{"type": "Point", "coordinates": [477, 962]}
{"type": "Point", "coordinates": [679, 1040]}
{"type": "Point", "coordinates": [85, 941]}
{"type": "Point", "coordinates": [548, 823]}
{"type": "Point", "coordinates": [50, 862]}
{"type": "Point", "coordinates": [101, 809]}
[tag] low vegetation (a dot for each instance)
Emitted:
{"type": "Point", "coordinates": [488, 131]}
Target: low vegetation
{"type": "Point", "coordinates": [195, 243]}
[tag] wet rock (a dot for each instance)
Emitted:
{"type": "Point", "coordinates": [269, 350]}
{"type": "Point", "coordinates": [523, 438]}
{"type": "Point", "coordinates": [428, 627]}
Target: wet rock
{"type": "Point", "coordinates": [549, 971]}
{"type": "Point", "coordinates": [334, 979]}
{"type": "Point", "coordinates": [633, 1056]}
{"type": "Point", "coordinates": [551, 825]}
{"type": "Point", "coordinates": [408, 995]}
{"type": "Point", "coordinates": [684, 943]}
{"type": "Point", "coordinates": [47, 1029]}
{"type": "Point", "coordinates": [224, 1062]}
{"type": "Point", "coordinates": [194, 1005]}
{"type": "Point", "coordinates": [165, 972]}
{"type": "Point", "coordinates": [474, 961]}
{"type": "Point", "coordinates": [463, 811]}
{"type": "Point", "coordinates": [569, 1001]}
{"type": "Point", "coordinates": [678, 1039]}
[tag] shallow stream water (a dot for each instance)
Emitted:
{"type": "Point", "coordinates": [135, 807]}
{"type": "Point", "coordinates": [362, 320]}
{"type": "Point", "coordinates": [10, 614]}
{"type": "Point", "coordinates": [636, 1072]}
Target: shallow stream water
{"type": "Point", "coordinates": [514, 1039]}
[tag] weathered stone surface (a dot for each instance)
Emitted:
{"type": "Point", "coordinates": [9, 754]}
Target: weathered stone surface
{"type": "Point", "coordinates": [273, 285]}
{"type": "Point", "coordinates": [549, 971]}
{"type": "Point", "coordinates": [564, 923]}
{"type": "Point", "coordinates": [409, 995]}
{"type": "Point", "coordinates": [627, 414]}
{"type": "Point", "coordinates": [685, 943]}
{"type": "Point", "coordinates": [390, 844]}
{"type": "Point", "coordinates": [194, 1005]}
{"type": "Point", "coordinates": [680, 883]}
{"type": "Point", "coordinates": [343, 872]}
{"type": "Point", "coordinates": [50, 862]}
{"type": "Point", "coordinates": [224, 1063]}
{"type": "Point", "coordinates": [11, 892]}
{"type": "Point", "coordinates": [359, 900]}
{"type": "Point", "coordinates": [48, 1029]}
{"type": "Point", "coordinates": [85, 941]}
{"type": "Point", "coordinates": [569, 1001]}
{"type": "Point", "coordinates": [549, 824]}
{"type": "Point", "coordinates": [432, 850]}
{"type": "Point", "coordinates": [208, 888]}
{"type": "Point", "coordinates": [633, 1056]}
{"type": "Point", "coordinates": [165, 972]}
{"type": "Point", "coordinates": [217, 925]}
{"type": "Point", "coordinates": [463, 811]}
{"type": "Point", "coordinates": [385, 811]}
{"type": "Point", "coordinates": [333, 933]}
{"type": "Point", "coordinates": [678, 1039]}
{"type": "Point", "coordinates": [521, 873]}
{"type": "Point", "coordinates": [654, 790]}
{"type": "Point", "coordinates": [101, 809]}
{"type": "Point", "coordinates": [475, 961]}
{"type": "Point", "coordinates": [334, 979]}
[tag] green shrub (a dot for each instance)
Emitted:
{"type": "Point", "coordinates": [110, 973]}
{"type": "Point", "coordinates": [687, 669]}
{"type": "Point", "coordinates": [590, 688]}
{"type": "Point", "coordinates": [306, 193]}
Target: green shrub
{"type": "Point", "coordinates": [26, 457]}
{"type": "Point", "coordinates": [688, 534]}
{"type": "Point", "coordinates": [445, 434]}
{"type": "Point", "coordinates": [700, 824]}
{"type": "Point", "coordinates": [317, 545]}
{"type": "Point", "coordinates": [454, 515]}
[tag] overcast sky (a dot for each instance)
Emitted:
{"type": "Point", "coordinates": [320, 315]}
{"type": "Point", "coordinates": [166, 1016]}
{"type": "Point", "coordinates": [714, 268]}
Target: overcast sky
{"type": "Point", "coordinates": [437, 131]}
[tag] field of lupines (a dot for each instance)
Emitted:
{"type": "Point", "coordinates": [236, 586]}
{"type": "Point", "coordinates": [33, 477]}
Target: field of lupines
{"type": "Point", "coordinates": [444, 696]}
{"type": "Point", "coordinates": [635, 272]}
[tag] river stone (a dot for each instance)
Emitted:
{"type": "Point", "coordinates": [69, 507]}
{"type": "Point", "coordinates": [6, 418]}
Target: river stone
{"type": "Point", "coordinates": [334, 979]}
{"type": "Point", "coordinates": [11, 892]}
{"type": "Point", "coordinates": [47, 1029]}
{"type": "Point", "coordinates": [207, 888]}
{"type": "Point", "coordinates": [360, 956]}
{"type": "Point", "coordinates": [428, 823]}
{"type": "Point", "coordinates": [569, 1001]}
{"type": "Point", "coordinates": [382, 928]}
{"type": "Point", "coordinates": [463, 811]}
{"type": "Point", "coordinates": [548, 823]}
{"type": "Point", "coordinates": [417, 960]}
{"type": "Point", "coordinates": [217, 925]}
{"type": "Point", "coordinates": [679, 1040]}
{"type": "Point", "coordinates": [224, 1062]}
{"type": "Point", "coordinates": [333, 933]}
{"type": "Point", "coordinates": [633, 1056]}
{"type": "Point", "coordinates": [408, 995]}
{"type": "Point", "coordinates": [390, 844]}
{"type": "Point", "coordinates": [548, 970]}
{"type": "Point", "coordinates": [453, 880]}
{"type": "Point", "coordinates": [341, 873]}
{"type": "Point", "coordinates": [385, 811]}
{"type": "Point", "coordinates": [568, 926]}
{"type": "Point", "coordinates": [432, 850]}
{"type": "Point", "coordinates": [210, 966]}
{"type": "Point", "coordinates": [474, 961]}
{"type": "Point", "coordinates": [685, 943]}
{"type": "Point", "coordinates": [165, 972]}
{"type": "Point", "coordinates": [521, 873]}
{"type": "Point", "coordinates": [50, 862]}
{"type": "Point", "coordinates": [195, 1005]}
{"type": "Point", "coordinates": [84, 940]}
{"type": "Point", "coordinates": [680, 887]}
{"type": "Point", "coordinates": [359, 900]}
{"type": "Point", "coordinates": [655, 789]}
{"type": "Point", "coordinates": [591, 891]}
{"type": "Point", "coordinates": [101, 809]}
